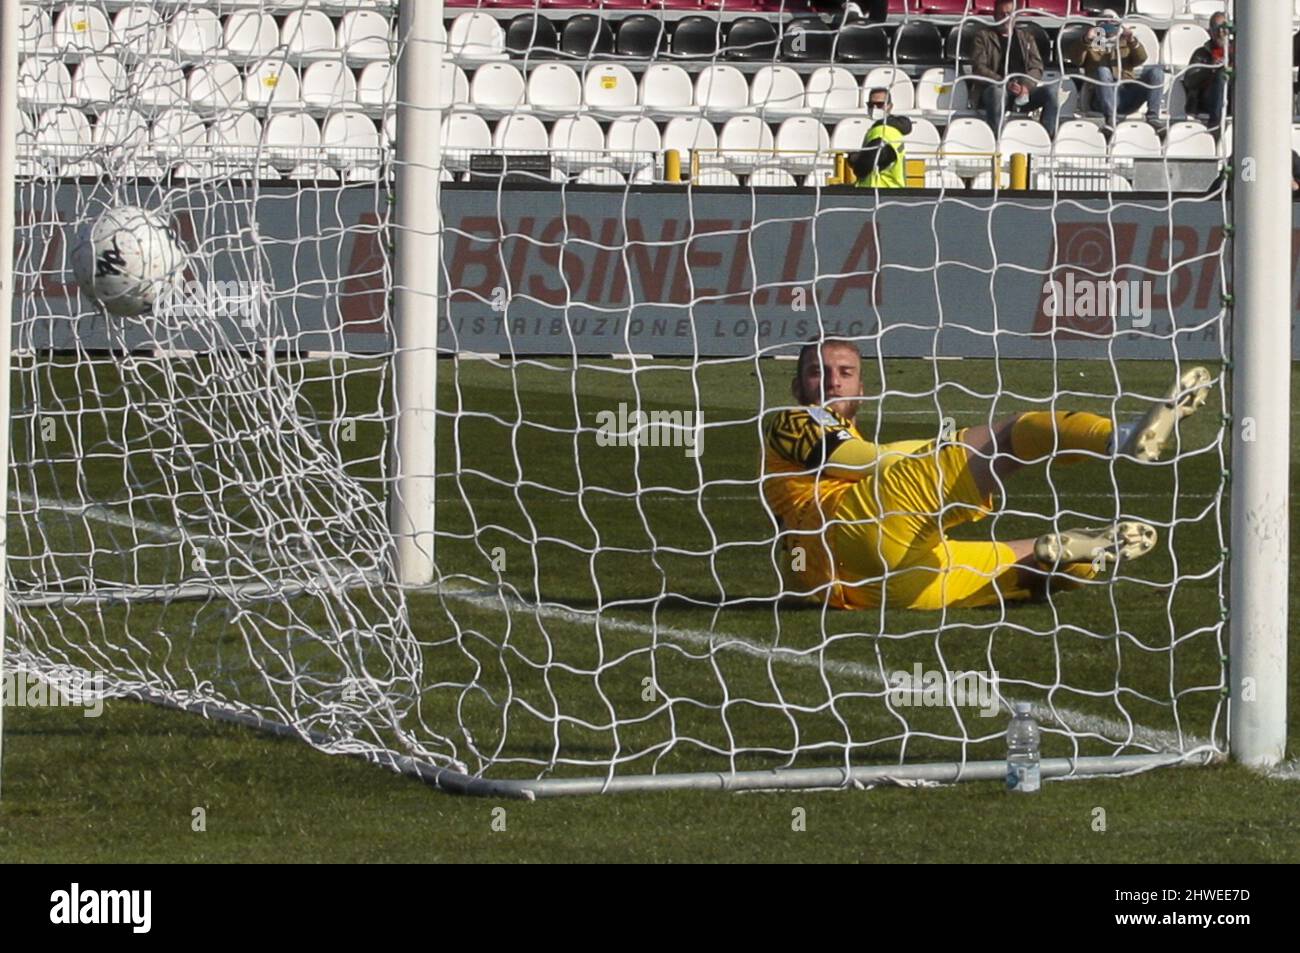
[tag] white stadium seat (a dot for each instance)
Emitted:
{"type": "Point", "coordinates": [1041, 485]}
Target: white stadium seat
{"type": "Point", "coordinates": [43, 83]}
{"type": "Point", "coordinates": [849, 134]}
{"type": "Point", "coordinates": [214, 87]}
{"type": "Point", "coordinates": [139, 32]}
{"type": "Point", "coordinates": [26, 163]}
{"type": "Point", "coordinates": [363, 37]}
{"type": "Point", "coordinates": [745, 142]}
{"type": "Point", "coordinates": [577, 142]}
{"type": "Point", "coordinates": [1024, 136]}
{"type": "Point", "coordinates": [157, 84]}
{"type": "Point", "coordinates": [81, 29]}
{"type": "Point", "coordinates": [62, 134]}
{"type": "Point", "coordinates": [801, 143]}
{"type": "Point", "coordinates": [498, 88]}
{"type": "Point", "coordinates": [1147, 37]}
{"type": "Point", "coordinates": [832, 92]}
{"type": "Point", "coordinates": [966, 135]}
{"type": "Point", "coordinates": [1180, 42]}
{"type": "Point", "coordinates": [901, 91]}
{"type": "Point", "coordinates": [1156, 9]}
{"type": "Point", "coordinates": [273, 84]}
{"type": "Point", "coordinates": [1078, 142]}
{"type": "Point", "coordinates": [377, 87]}
{"type": "Point", "coordinates": [234, 141]}
{"type": "Point", "coordinates": [195, 34]}
{"type": "Point", "coordinates": [1190, 140]}
{"type": "Point", "coordinates": [771, 177]}
{"type": "Point", "coordinates": [553, 89]}
{"type": "Point", "coordinates": [123, 134]}
{"type": "Point", "coordinates": [686, 134]}
{"type": "Point", "coordinates": [721, 91]}
{"type": "Point", "coordinates": [520, 133]}
{"type": "Point", "coordinates": [1225, 138]}
{"type": "Point", "coordinates": [99, 81]}
{"type": "Point", "coordinates": [609, 89]}
{"type": "Point", "coordinates": [308, 35]}
{"type": "Point", "coordinates": [328, 85]}
{"type": "Point", "coordinates": [179, 134]}
{"type": "Point", "coordinates": [666, 90]}
{"type": "Point", "coordinates": [924, 137]}
{"type": "Point", "coordinates": [777, 91]}
{"type": "Point", "coordinates": [350, 142]}
{"type": "Point", "coordinates": [250, 35]}
{"type": "Point", "coordinates": [35, 31]}
{"type": "Point", "coordinates": [453, 87]}
{"type": "Point", "coordinates": [934, 91]}
{"type": "Point", "coordinates": [463, 133]}
{"type": "Point", "coordinates": [1133, 138]}
{"type": "Point", "coordinates": [633, 143]}
{"type": "Point", "coordinates": [290, 138]}
{"type": "Point", "coordinates": [476, 38]}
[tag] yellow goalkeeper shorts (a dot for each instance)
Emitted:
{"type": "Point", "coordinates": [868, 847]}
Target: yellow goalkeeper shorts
{"type": "Point", "coordinates": [888, 536]}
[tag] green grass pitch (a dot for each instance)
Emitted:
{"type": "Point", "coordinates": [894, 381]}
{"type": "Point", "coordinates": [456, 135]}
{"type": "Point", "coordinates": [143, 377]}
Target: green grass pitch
{"type": "Point", "coordinates": [677, 552]}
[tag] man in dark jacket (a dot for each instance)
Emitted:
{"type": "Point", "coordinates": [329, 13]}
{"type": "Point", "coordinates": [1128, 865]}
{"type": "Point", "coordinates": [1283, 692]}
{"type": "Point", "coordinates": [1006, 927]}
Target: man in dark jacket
{"type": "Point", "coordinates": [1206, 79]}
{"type": "Point", "coordinates": [1007, 71]}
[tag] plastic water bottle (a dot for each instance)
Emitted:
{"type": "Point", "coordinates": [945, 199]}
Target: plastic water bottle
{"type": "Point", "coordinates": [1022, 751]}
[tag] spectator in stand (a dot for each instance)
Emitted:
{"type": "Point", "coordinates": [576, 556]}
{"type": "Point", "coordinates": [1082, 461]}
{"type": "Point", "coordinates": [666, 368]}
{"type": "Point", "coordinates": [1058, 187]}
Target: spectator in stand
{"type": "Point", "coordinates": [882, 163]}
{"type": "Point", "coordinates": [846, 12]}
{"type": "Point", "coordinates": [1206, 79]}
{"type": "Point", "coordinates": [1113, 58]}
{"type": "Point", "coordinates": [1007, 71]}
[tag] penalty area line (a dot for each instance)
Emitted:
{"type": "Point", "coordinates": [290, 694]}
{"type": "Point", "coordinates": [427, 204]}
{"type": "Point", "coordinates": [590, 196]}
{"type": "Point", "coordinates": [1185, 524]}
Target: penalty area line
{"type": "Point", "coordinates": [1075, 721]}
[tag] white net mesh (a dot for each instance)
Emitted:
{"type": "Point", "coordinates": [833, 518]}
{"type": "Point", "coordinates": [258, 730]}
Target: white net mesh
{"type": "Point", "coordinates": [198, 506]}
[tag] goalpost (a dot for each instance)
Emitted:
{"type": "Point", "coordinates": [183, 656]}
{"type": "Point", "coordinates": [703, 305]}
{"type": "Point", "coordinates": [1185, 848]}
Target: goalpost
{"type": "Point", "coordinates": [530, 569]}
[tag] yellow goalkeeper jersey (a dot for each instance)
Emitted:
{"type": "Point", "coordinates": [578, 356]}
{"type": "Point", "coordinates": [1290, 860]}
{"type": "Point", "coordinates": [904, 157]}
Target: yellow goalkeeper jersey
{"type": "Point", "coordinates": [797, 446]}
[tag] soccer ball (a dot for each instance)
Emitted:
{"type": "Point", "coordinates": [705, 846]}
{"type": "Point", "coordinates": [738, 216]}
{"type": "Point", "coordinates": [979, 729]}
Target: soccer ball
{"type": "Point", "coordinates": [126, 258]}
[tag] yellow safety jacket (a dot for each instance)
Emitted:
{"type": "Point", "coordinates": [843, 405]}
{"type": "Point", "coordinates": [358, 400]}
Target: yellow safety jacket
{"type": "Point", "coordinates": [894, 176]}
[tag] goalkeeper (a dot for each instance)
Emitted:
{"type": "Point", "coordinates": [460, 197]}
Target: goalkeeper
{"type": "Point", "coordinates": [865, 524]}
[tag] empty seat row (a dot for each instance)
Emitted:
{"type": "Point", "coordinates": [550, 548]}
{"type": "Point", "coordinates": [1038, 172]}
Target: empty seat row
{"type": "Point", "coordinates": [478, 37]}
{"type": "Point", "coordinates": [345, 141]}
{"type": "Point", "coordinates": [899, 8]}
{"type": "Point", "coordinates": [805, 140]}
{"type": "Point", "coordinates": [197, 34]}
{"type": "Point", "coordinates": [350, 143]}
{"type": "Point", "coordinates": [666, 89]}
{"type": "Point", "coordinates": [157, 84]}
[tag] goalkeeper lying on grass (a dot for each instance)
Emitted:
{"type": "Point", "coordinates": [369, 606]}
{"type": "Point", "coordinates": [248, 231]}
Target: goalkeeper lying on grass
{"type": "Point", "coordinates": [871, 518]}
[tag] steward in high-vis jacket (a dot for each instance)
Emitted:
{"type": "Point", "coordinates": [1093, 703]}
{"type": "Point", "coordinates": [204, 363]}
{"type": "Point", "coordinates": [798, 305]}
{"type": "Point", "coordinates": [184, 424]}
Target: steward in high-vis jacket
{"type": "Point", "coordinates": [882, 162]}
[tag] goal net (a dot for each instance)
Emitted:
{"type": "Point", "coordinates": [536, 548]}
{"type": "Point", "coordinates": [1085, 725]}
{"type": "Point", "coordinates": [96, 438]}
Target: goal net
{"type": "Point", "coordinates": [200, 499]}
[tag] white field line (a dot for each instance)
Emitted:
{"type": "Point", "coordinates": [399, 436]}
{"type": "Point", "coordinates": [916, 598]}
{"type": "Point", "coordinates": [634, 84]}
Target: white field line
{"type": "Point", "coordinates": [1108, 729]}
